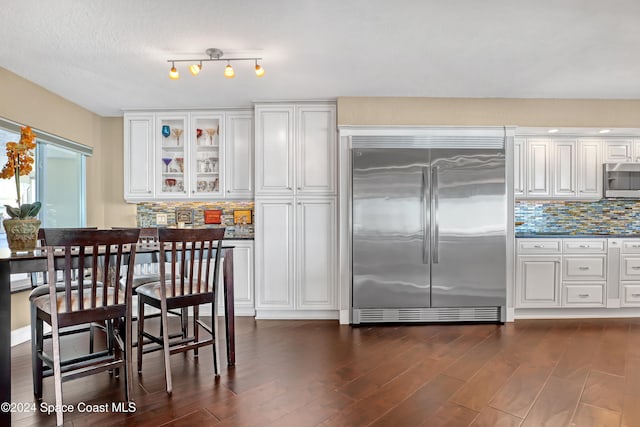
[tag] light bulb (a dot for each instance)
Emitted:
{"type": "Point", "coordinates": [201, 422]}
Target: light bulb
{"type": "Point", "coordinates": [228, 72]}
{"type": "Point", "coordinates": [174, 74]}
{"type": "Point", "coordinates": [195, 69]}
{"type": "Point", "coordinates": [259, 70]}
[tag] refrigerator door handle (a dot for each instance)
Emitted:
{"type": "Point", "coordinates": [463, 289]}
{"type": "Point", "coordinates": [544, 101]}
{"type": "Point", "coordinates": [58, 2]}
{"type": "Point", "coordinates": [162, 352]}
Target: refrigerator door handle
{"type": "Point", "coordinates": [426, 214]}
{"type": "Point", "coordinates": [436, 214]}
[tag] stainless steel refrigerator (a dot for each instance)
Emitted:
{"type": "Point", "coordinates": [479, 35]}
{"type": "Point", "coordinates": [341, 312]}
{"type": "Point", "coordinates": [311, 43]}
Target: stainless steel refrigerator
{"type": "Point", "coordinates": [429, 233]}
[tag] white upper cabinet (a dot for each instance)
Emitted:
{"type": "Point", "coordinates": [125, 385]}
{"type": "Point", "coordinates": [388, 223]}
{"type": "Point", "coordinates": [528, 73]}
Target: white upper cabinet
{"type": "Point", "coordinates": [618, 151]}
{"type": "Point", "coordinates": [316, 149]}
{"type": "Point", "coordinates": [188, 155]}
{"type": "Point", "coordinates": [172, 157]}
{"type": "Point", "coordinates": [565, 162]}
{"type": "Point", "coordinates": [295, 149]}
{"type": "Point", "coordinates": [274, 150]}
{"type": "Point", "coordinates": [238, 155]}
{"type": "Point", "coordinates": [519, 182]}
{"type": "Point", "coordinates": [589, 169]}
{"type": "Point", "coordinates": [139, 180]}
{"type": "Point", "coordinates": [558, 168]}
{"type": "Point", "coordinates": [206, 147]}
{"type": "Point", "coordinates": [538, 168]}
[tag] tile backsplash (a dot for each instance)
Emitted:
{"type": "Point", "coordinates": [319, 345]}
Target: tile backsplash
{"type": "Point", "coordinates": [606, 216]}
{"type": "Point", "coordinates": [147, 212]}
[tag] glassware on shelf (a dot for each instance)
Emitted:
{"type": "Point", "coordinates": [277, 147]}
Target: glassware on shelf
{"type": "Point", "coordinates": [170, 183]}
{"type": "Point", "coordinates": [166, 161]}
{"type": "Point", "coordinates": [177, 133]}
{"type": "Point", "coordinates": [211, 132]}
{"type": "Point", "coordinates": [198, 135]}
{"type": "Point", "coordinates": [166, 131]}
{"type": "Point", "coordinates": [180, 162]}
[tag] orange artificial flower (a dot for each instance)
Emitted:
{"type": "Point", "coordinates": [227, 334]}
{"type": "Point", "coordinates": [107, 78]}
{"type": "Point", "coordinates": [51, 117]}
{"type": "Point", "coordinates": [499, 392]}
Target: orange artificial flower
{"type": "Point", "coordinates": [20, 158]}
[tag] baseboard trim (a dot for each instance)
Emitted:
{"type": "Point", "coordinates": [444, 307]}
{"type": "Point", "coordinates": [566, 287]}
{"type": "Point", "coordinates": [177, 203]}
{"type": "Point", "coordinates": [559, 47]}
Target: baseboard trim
{"type": "Point", "coordinates": [20, 335]}
{"type": "Point", "coordinates": [576, 313]}
{"type": "Point", "coordinates": [297, 314]}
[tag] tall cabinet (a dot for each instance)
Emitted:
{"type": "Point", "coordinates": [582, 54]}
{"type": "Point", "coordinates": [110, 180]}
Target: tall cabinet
{"type": "Point", "coordinates": [296, 214]}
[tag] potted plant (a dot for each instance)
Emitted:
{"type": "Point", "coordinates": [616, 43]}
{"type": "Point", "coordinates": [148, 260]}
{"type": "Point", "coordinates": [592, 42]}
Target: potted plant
{"type": "Point", "coordinates": [22, 225]}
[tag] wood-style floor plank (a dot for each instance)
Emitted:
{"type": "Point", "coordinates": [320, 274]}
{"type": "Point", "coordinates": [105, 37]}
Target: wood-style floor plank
{"type": "Point", "coordinates": [530, 373]}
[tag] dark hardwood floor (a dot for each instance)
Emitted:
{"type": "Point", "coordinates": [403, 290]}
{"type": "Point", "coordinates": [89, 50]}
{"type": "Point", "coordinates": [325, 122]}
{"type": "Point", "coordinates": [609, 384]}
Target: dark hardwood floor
{"type": "Point", "coordinates": [318, 373]}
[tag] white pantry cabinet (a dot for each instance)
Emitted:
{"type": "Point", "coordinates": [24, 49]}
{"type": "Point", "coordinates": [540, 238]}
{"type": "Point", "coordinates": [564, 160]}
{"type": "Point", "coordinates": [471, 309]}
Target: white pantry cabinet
{"type": "Point", "coordinates": [296, 149]}
{"type": "Point", "coordinates": [296, 265]}
{"type": "Point", "coordinates": [188, 155]}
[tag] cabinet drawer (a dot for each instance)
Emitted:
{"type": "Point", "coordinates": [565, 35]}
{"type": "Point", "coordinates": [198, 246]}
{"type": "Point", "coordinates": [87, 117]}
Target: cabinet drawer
{"type": "Point", "coordinates": [584, 246]}
{"type": "Point", "coordinates": [539, 246]}
{"type": "Point", "coordinates": [584, 268]}
{"type": "Point", "coordinates": [630, 268]}
{"type": "Point", "coordinates": [584, 295]}
{"type": "Point", "coordinates": [631, 247]}
{"type": "Point", "coordinates": [631, 294]}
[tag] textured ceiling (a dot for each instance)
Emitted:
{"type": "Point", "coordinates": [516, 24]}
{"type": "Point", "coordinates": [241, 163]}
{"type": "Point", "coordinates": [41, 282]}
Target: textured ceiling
{"type": "Point", "coordinates": [111, 55]}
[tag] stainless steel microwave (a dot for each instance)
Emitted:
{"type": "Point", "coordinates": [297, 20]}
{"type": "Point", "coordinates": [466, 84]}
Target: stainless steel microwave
{"type": "Point", "coordinates": [622, 180]}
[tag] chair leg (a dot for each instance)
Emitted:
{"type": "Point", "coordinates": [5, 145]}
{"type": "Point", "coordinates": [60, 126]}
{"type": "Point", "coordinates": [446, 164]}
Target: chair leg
{"type": "Point", "coordinates": [216, 334]}
{"type": "Point", "coordinates": [184, 321]}
{"type": "Point", "coordinates": [140, 330]}
{"type": "Point", "coordinates": [57, 373]}
{"type": "Point", "coordinates": [113, 326]}
{"type": "Point", "coordinates": [36, 348]}
{"type": "Point", "coordinates": [128, 343]}
{"type": "Point", "coordinates": [165, 344]}
{"type": "Point", "coordinates": [196, 315]}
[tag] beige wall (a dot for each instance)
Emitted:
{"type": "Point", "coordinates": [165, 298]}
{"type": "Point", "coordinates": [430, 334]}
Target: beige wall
{"type": "Point", "coordinates": [29, 104]}
{"type": "Point", "coordinates": [488, 112]}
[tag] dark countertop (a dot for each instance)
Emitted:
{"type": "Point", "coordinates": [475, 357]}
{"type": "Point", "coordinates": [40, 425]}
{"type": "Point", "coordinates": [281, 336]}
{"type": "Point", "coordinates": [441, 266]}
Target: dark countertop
{"type": "Point", "coordinates": [578, 236]}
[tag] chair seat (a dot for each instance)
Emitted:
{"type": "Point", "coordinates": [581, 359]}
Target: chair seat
{"type": "Point", "coordinates": [43, 302]}
{"type": "Point", "coordinates": [152, 290]}
{"type": "Point", "coordinates": [38, 291]}
{"type": "Point", "coordinates": [143, 279]}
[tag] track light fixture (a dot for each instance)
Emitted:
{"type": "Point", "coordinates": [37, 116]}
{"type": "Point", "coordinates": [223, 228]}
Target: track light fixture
{"type": "Point", "coordinates": [213, 54]}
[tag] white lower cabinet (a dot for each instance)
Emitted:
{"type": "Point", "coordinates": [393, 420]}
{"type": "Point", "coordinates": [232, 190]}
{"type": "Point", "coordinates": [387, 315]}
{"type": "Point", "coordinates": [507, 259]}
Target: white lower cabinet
{"type": "Point", "coordinates": [296, 263]}
{"type": "Point", "coordinates": [243, 293]}
{"type": "Point", "coordinates": [552, 273]}
{"type": "Point", "coordinates": [538, 281]}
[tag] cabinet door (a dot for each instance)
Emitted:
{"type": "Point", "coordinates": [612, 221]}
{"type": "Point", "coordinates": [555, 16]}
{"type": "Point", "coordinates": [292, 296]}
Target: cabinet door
{"type": "Point", "coordinates": [172, 160]}
{"type": "Point", "coordinates": [206, 147]}
{"type": "Point", "coordinates": [243, 294]}
{"type": "Point", "coordinates": [538, 281]}
{"type": "Point", "coordinates": [618, 151]}
{"type": "Point", "coordinates": [274, 254]}
{"type": "Point", "coordinates": [238, 155]}
{"type": "Point", "coordinates": [538, 168]}
{"type": "Point", "coordinates": [274, 150]}
{"type": "Point", "coordinates": [316, 278]}
{"type": "Point", "coordinates": [636, 150]}
{"type": "Point", "coordinates": [139, 163]}
{"type": "Point", "coordinates": [519, 168]}
{"type": "Point", "coordinates": [589, 169]}
{"type": "Point", "coordinates": [316, 147]}
{"type": "Point", "coordinates": [564, 174]}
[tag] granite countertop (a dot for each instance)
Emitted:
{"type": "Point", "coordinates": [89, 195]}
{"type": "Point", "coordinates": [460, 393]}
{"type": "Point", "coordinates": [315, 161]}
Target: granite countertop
{"type": "Point", "coordinates": [570, 235]}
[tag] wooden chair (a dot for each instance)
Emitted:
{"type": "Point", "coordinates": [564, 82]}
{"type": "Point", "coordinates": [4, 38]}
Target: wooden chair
{"type": "Point", "coordinates": [191, 281]}
{"type": "Point", "coordinates": [107, 255]}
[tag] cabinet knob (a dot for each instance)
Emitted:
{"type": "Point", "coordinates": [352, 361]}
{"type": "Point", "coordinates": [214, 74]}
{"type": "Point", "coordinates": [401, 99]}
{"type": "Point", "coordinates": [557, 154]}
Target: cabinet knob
{"type": "Point", "coordinates": [228, 191]}
{"type": "Point", "coordinates": [149, 192]}
{"type": "Point", "coordinates": [299, 188]}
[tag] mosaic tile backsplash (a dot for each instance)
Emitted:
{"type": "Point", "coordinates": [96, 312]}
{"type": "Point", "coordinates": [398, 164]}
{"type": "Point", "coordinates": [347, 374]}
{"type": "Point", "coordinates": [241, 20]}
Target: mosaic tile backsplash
{"type": "Point", "coordinates": [607, 216]}
{"type": "Point", "coordinates": [146, 215]}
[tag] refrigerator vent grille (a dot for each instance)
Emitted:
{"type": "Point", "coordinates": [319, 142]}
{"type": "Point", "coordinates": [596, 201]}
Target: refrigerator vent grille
{"type": "Point", "coordinates": [454, 314]}
{"type": "Point", "coordinates": [428, 141]}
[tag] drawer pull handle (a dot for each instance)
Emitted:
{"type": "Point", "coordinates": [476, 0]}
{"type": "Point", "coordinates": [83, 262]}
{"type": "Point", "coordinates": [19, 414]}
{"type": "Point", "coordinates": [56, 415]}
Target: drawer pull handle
{"type": "Point", "coordinates": [583, 268]}
{"type": "Point", "coordinates": [583, 246]}
{"type": "Point", "coordinates": [583, 295]}
{"type": "Point", "coordinates": [635, 295]}
{"type": "Point", "coordinates": [635, 246]}
{"type": "Point", "coordinates": [635, 267]}
{"type": "Point", "coordinates": [538, 246]}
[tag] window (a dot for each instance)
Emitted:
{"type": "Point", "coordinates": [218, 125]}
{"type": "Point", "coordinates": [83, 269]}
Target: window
{"type": "Point", "coordinates": [57, 181]}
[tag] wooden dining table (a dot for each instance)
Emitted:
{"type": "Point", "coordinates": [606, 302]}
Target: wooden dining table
{"type": "Point", "coordinates": [36, 261]}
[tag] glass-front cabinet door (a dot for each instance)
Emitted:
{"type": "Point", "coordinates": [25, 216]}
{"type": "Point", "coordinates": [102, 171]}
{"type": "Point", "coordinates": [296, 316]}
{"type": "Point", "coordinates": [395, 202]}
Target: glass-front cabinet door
{"type": "Point", "coordinates": [206, 148]}
{"type": "Point", "coordinates": [172, 134]}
